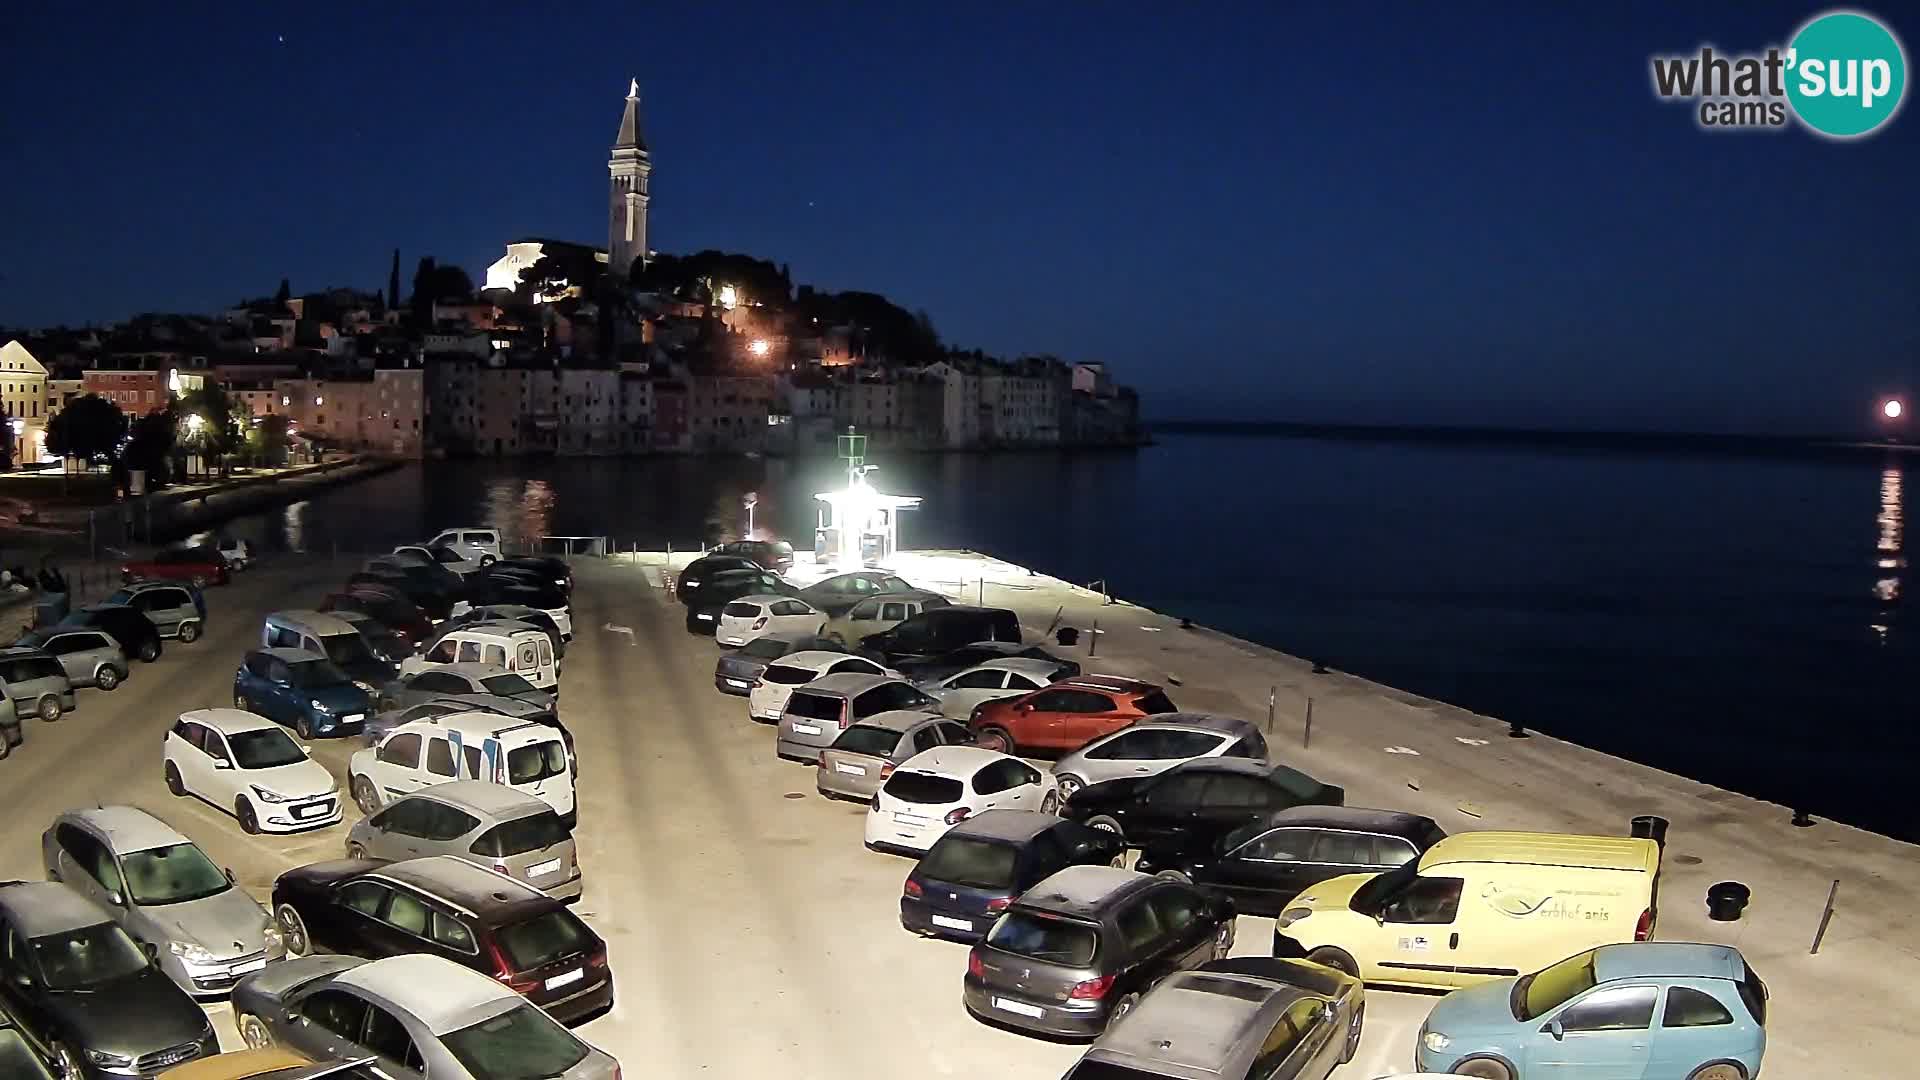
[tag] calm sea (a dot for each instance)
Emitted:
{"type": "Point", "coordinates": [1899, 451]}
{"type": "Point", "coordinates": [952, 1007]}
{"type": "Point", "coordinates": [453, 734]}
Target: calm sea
{"type": "Point", "coordinates": [1734, 619]}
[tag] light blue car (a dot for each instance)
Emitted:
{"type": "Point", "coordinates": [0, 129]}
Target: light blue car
{"type": "Point", "coordinates": [1649, 1010]}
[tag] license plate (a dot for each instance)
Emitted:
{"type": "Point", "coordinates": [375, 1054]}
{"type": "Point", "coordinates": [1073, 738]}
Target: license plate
{"type": "Point", "coordinates": [704, 617]}
{"type": "Point", "coordinates": [806, 729]}
{"type": "Point", "coordinates": [540, 869]}
{"type": "Point", "coordinates": [952, 924]}
{"type": "Point", "coordinates": [250, 966]}
{"type": "Point", "coordinates": [1020, 1007]}
{"type": "Point", "coordinates": [309, 811]}
{"type": "Point", "coordinates": [571, 977]}
{"type": "Point", "coordinates": [353, 718]}
{"type": "Point", "coordinates": [736, 682]}
{"type": "Point", "coordinates": [854, 770]}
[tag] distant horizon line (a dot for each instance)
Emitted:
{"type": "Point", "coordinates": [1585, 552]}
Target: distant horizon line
{"type": "Point", "coordinates": [1495, 434]}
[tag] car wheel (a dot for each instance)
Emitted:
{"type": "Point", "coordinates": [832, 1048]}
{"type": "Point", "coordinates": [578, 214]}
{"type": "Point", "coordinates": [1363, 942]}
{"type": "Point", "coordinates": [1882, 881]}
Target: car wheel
{"type": "Point", "coordinates": [1105, 824]}
{"type": "Point", "coordinates": [1070, 785]}
{"type": "Point", "coordinates": [1223, 939]}
{"type": "Point", "coordinates": [1122, 1007]}
{"type": "Point", "coordinates": [253, 1032]}
{"type": "Point", "coordinates": [199, 581]}
{"type": "Point", "coordinates": [1484, 1068]}
{"type": "Point", "coordinates": [1336, 959]}
{"type": "Point", "coordinates": [149, 651]}
{"type": "Point", "coordinates": [65, 1062]}
{"type": "Point", "coordinates": [995, 739]}
{"type": "Point", "coordinates": [48, 708]}
{"type": "Point", "coordinates": [175, 786]}
{"type": "Point", "coordinates": [1050, 804]}
{"type": "Point", "coordinates": [189, 632]}
{"type": "Point", "coordinates": [106, 678]}
{"type": "Point", "coordinates": [249, 823]}
{"type": "Point", "coordinates": [1353, 1035]}
{"type": "Point", "coordinates": [1719, 1070]}
{"type": "Point", "coordinates": [6, 747]}
{"type": "Point", "coordinates": [365, 797]}
{"type": "Point", "coordinates": [1174, 875]}
{"type": "Point", "coordinates": [486, 560]}
{"type": "Point", "coordinates": [304, 726]}
{"type": "Point", "coordinates": [293, 931]}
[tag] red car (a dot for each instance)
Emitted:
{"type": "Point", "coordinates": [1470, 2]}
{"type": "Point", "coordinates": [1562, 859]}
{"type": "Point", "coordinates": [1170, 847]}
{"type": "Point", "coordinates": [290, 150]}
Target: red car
{"type": "Point", "coordinates": [199, 566]}
{"type": "Point", "coordinates": [1066, 715]}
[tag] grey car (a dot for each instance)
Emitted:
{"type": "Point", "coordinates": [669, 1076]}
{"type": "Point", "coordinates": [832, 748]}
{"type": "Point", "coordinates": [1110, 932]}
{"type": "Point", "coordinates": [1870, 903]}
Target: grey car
{"type": "Point", "coordinates": [1249, 1018]}
{"type": "Point", "coordinates": [818, 712]}
{"type": "Point", "coordinates": [84, 996]}
{"type": "Point", "coordinates": [175, 610]}
{"type": "Point", "coordinates": [865, 754]}
{"type": "Point", "coordinates": [89, 657]}
{"type": "Point", "coordinates": [1154, 744]}
{"type": "Point", "coordinates": [485, 823]}
{"type": "Point", "coordinates": [35, 683]}
{"type": "Point", "coordinates": [445, 681]}
{"type": "Point", "coordinates": [735, 671]}
{"type": "Point", "coordinates": [419, 1015]}
{"type": "Point", "coordinates": [200, 929]}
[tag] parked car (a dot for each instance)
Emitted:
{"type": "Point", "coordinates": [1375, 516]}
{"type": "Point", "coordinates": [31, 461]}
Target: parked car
{"type": "Point", "coordinates": [932, 669]}
{"type": "Point", "coordinates": [203, 931]}
{"type": "Point", "coordinates": [461, 680]}
{"type": "Point", "coordinates": [689, 586]}
{"type": "Point", "coordinates": [1249, 1018]}
{"type": "Point", "coordinates": [508, 648]}
{"type": "Point", "coordinates": [387, 645]}
{"type": "Point", "coordinates": [247, 766]}
{"type": "Point", "coordinates": [537, 618]}
{"type": "Point", "coordinates": [881, 612]}
{"type": "Point", "coordinates": [736, 672]}
{"type": "Point", "coordinates": [703, 614]}
{"type": "Point", "coordinates": [454, 909]}
{"type": "Point", "coordinates": [301, 689]}
{"type": "Point", "coordinates": [89, 657]}
{"type": "Point", "coordinates": [938, 631]}
{"type": "Point", "coordinates": [866, 754]}
{"type": "Point", "coordinates": [507, 831]}
{"type": "Point", "coordinates": [331, 637]}
{"type": "Point", "coordinates": [90, 1000]}
{"type": "Point", "coordinates": [273, 1063]}
{"type": "Point", "coordinates": [547, 569]}
{"type": "Point", "coordinates": [816, 714]}
{"type": "Point", "coordinates": [424, 563]}
{"type": "Point", "coordinates": [434, 601]}
{"type": "Point", "coordinates": [177, 611]}
{"type": "Point", "coordinates": [134, 632]}
{"type": "Point", "coordinates": [425, 574]}
{"type": "Point", "coordinates": [34, 684]}
{"type": "Point", "coordinates": [959, 695]}
{"type": "Point", "coordinates": [18, 1058]}
{"type": "Point", "coordinates": [774, 555]}
{"type": "Point", "coordinates": [442, 556]}
{"type": "Point", "coordinates": [198, 566]}
{"type": "Point", "coordinates": [1265, 863]}
{"type": "Point", "coordinates": [1652, 1009]}
{"type": "Point", "coordinates": [417, 1014]}
{"type": "Point", "coordinates": [479, 544]}
{"type": "Point", "coordinates": [1154, 744]}
{"type": "Point", "coordinates": [1079, 949]}
{"type": "Point", "coordinates": [750, 616]}
{"type": "Point", "coordinates": [237, 552]}
{"type": "Point", "coordinates": [1192, 805]}
{"type": "Point", "coordinates": [527, 756]}
{"type": "Point", "coordinates": [767, 698]}
{"type": "Point", "coordinates": [982, 865]}
{"type": "Point", "coordinates": [395, 612]}
{"type": "Point", "coordinates": [11, 733]}
{"type": "Point", "coordinates": [937, 789]}
{"type": "Point", "coordinates": [512, 708]}
{"type": "Point", "coordinates": [1068, 714]}
{"type": "Point", "coordinates": [508, 593]}
{"type": "Point", "coordinates": [834, 595]}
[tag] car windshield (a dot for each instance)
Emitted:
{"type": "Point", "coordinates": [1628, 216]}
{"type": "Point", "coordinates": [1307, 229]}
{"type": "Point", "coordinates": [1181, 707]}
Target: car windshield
{"type": "Point", "coordinates": [740, 609]}
{"type": "Point", "coordinates": [1052, 941]}
{"type": "Point", "coordinates": [789, 675]}
{"type": "Point", "coordinates": [530, 764]}
{"type": "Point", "coordinates": [88, 957]}
{"type": "Point", "coordinates": [171, 875]}
{"type": "Point", "coordinates": [919, 787]}
{"type": "Point", "coordinates": [866, 739]}
{"type": "Point", "coordinates": [312, 673]}
{"type": "Point", "coordinates": [23, 668]}
{"type": "Point", "coordinates": [506, 685]}
{"type": "Point", "coordinates": [266, 748]}
{"type": "Point", "coordinates": [345, 648]}
{"type": "Point", "coordinates": [764, 648]}
{"type": "Point", "coordinates": [124, 596]}
{"type": "Point", "coordinates": [522, 1043]}
{"type": "Point", "coordinates": [1374, 893]}
{"type": "Point", "coordinates": [971, 861]}
{"type": "Point", "coordinates": [543, 939]}
{"type": "Point", "coordinates": [1544, 991]}
{"type": "Point", "coordinates": [521, 835]}
{"type": "Point", "coordinates": [815, 706]}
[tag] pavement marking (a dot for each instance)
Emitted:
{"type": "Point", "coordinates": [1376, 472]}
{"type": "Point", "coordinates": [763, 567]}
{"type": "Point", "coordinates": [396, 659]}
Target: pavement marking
{"type": "Point", "coordinates": [614, 628]}
{"type": "Point", "coordinates": [1464, 741]}
{"type": "Point", "coordinates": [1403, 750]}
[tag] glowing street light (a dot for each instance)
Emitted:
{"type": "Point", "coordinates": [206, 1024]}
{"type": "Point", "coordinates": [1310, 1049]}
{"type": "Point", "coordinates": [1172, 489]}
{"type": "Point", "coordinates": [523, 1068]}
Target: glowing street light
{"type": "Point", "coordinates": [195, 422]}
{"type": "Point", "coordinates": [759, 347]}
{"type": "Point", "coordinates": [318, 400]}
{"type": "Point", "coordinates": [729, 297]}
{"type": "Point", "coordinates": [1892, 409]}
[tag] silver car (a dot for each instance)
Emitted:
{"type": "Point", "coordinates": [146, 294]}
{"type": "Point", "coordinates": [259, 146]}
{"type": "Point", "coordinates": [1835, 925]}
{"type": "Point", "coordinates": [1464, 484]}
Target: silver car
{"type": "Point", "coordinates": [864, 755]}
{"type": "Point", "coordinates": [1010, 677]}
{"type": "Point", "coordinates": [419, 1015]}
{"type": "Point", "coordinates": [35, 684]}
{"type": "Point", "coordinates": [818, 712]}
{"type": "Point", "coordinates": [1154, 744]}
{"type": "Point", "coordinates": [491, 825]}
{"type": "Point", "coordinates": [198, 927]}
{"type": "Point", "coordinates": [443, 681]}
{"type": "Point", "coordinates": [175, 610]}
{"type": "Point", "coordinates": [89, 657]}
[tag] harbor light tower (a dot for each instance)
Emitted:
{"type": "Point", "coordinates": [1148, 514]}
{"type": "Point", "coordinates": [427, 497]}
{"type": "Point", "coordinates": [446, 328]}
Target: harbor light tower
{"type": "Point", "coordinates": [859, 526]}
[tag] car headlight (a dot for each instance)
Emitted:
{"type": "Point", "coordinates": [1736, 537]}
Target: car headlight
{"type": "Point", "coordinates": [191, 951]}
{"type": "Point", "coordinates": [267, 796]}
{"type": "Point", "coordinates": [1292, 915]}
{"type": "Point", "coordinates": [319, 706]}
{"type": "Point", "coordinates": [1435, 1041]}
{"type": "Point", "coordinates": [271, 939]}
{"type": "Point", "coordinates": [109, 1061]}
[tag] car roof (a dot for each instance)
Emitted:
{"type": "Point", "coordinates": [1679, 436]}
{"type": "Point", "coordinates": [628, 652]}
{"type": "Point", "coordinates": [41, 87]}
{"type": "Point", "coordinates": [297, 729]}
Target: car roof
{"type": "Point", "coordinates": [961, 761]}
{"type": "Point", "coordinates": [470, 668]}
{"type": "Point", "coordinates": [492, 628]}
{"type": "Point", "coordinates": [1025, 665]}
{"type": "Point", "coordinates": [320, 622]}
{"type": "Point", "coordinates": [475, 724]}
{"type": "Point", "coordinates": [764, 598]}
{"type": "Point", "coordinates": [904, 594]}
{"type": "Point", "coordinates": [1016, 826]}
{"type": "Point", "coordinates": [291, 656]}
{"type": "Point", "coordinates": [474, 887]}
{"type": "Point", "coordinates": [1118, 684]}
{"type": "Point", "coordinates": [39, 908]}
{"type": "Point", "coordinates": [1199, 1021]}
{"type": "Point", "coordinates": [1545, 849]}
{"type": "Point", "coordinates": [1667, 959]}
{"type": "Point", "coordinates": [898, 719]}
{"type": "Point", "coordinates": [1359, 818]}
{"type": "Point", "coordinates": [439, 993]}
{"type": "Point", "coordinates": [23, 651]}
{"type": "Point", "coordinates": [845, 683]}
{"type": "Point", "coordinates": [229, 721]}
{"type": "Point", "coordinates": [1218, 723]}
{"type": "Point", "coordinates": [129, 828]}
{"type": "Point", "coordinates": [1318, 978]}
{"type": "Point", "coordinates": [483, 797]}
{"type": "Point", "coordinates": [815, 659]}
{"type": "Point", "coordinates": [145, 586]}
{"type": "Point", "coordinates": [1083, 891]}
{"type": "Point", "coordinates": [235, 1064]}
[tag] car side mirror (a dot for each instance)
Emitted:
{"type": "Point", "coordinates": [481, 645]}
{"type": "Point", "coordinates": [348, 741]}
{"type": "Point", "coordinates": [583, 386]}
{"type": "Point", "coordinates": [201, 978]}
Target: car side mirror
{"type": "Point", "coordinates": [281, 683]}
{"type": "Point", "coordinates": [1329, 1011]}
{"type": "Point", "coordinates": [222, 763]}
{"type": "Point", "coordinates": [1026, 707]}
{"type": "Point", "coordinates": [230, 878]}
{"type": "Point", "coordinates": [1380, 916]}
{"type": "Point", "coordinates": [117, 899]}
{"type": "Point", "coordinates": [1554, 1029]}
{"type": "Point", "coordinates": [152, 951]}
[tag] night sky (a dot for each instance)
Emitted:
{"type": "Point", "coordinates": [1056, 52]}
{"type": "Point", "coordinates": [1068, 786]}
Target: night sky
{"type": "Point", "coordinates": [1376, 213]}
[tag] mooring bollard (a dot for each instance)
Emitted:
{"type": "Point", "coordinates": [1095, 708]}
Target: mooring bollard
{"type": "Point", "coordinates": [1515, 730]}
{"type": "Point", "coordinates": [1802, 819]}
{"type": "Point", "coordinates": [1093, 639]}
{"type": "Point", "coordinates": [983, 592]}
{"type": "Point", "coordinates": [1272, 694]}
{"type": "Point", "coordinates": [1306, 736]}
{"type": "Point", "coordinates": [1826, 916]}
{"type": "Point", "coordinates": [1057, 612]}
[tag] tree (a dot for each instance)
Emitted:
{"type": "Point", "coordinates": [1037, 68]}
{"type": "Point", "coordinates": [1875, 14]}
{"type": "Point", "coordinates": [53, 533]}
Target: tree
{"type": "Point", "coordinates": [432, 282]}
{"type": "Point", "coordinates": [267, 441]}
{"type": "Point", "coordinates": [87, 430]}
{"type": "Point", "coordinates": [6, 444]}
{"type": "Point", "coordinates": [150, 446]}
{"type": "Point", "coordinates": [283, 294]}
{"type": "Point", "coordinates": [393, 282]}
{"type": "Point", "coordinates": [220, 432]}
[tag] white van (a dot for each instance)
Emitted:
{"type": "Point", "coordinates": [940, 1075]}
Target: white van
{"type": "Point", "coordinates": [1478, 906]}
{"type": "Point", "coordinates": [525, 650]}
{"type": "Point", "coordinates": [521, 754]}
{"type": "Point", "coordinates": [480, 545]}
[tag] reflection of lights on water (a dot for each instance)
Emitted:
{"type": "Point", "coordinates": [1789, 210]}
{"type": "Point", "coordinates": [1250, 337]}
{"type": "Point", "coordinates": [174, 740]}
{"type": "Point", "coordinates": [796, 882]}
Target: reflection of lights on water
{"type": "Point", "coordinates": [1891, 520]}
{"type": "Point", "coordinates": [295, 525]}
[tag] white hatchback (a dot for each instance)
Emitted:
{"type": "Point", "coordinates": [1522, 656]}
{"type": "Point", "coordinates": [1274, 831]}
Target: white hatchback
{"type": "Point", "coordinates": [480, 545]}
{"type": "Point", "coordinates": [749, 617]}
{"type": "Point", "coordinates": [937, 789]}
{"type": "Point", "coordinates": [768, 698]}
{"type": "Point", "coordinates": [250, 767]}
{"type": "Point", "coordinates": [1009, 677]}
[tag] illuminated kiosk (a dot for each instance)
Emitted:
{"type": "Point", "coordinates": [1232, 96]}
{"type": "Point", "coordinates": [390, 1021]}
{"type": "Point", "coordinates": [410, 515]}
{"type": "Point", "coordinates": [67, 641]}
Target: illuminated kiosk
{"type": "Point", "coordinates": [858, 526]}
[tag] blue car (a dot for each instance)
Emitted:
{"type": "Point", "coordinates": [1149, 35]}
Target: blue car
{"type": "Point", "coordinates": [301, 689]}
{"type": "Point", "coordinates": [1651, 1010]}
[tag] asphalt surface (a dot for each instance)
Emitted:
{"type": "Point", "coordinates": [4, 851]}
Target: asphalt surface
{"type": "Point", "coordinates": [750, 931]}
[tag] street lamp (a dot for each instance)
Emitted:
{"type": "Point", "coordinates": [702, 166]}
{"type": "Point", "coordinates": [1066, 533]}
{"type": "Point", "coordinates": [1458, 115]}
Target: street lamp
{"type": "Point", "coordinates": [1892, 409]}
{"type": "Point", "coordinates": [759, 347]}
{"type": "Point", "coordinates": [195, 422]}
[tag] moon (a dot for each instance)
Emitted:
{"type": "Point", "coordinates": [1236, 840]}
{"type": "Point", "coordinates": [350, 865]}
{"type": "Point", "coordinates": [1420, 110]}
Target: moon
{"type": "Point", "coordinates": [1893, 408]}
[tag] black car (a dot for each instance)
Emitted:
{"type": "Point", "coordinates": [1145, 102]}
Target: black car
{"type": "Point", "coordinates": [736, 670]}
{"type": "Point", "coordinates": [703, 614]}
{"type": "Point", "coordinates": [1080, 948]}
{"type": "Point", "coordinates": [982, 865]}
{"type": "Point", "coordinates": [774, 555]}
{"type": "Point", "coordinates": [1193, 804]}
{"type": "Point", "coordinates": [18, 1059]}
{"type": "Point", "coordinates": [436, 603]}
{"type": "Point", "coordinates": [384, 642]}
{"type": "Point", "coordinates": [1267, 862]}
{"type": "Point", "coordinates": [137, 635]}
{"type": "Point", "coordinates": [514, 592]}
{"type": "Point", "coordinates": [454, 909]}
{"type": "Point", "coordinates": [85, 995]}
{"type": "Point", "coordinates": [837, 594]}
{"type": "Point", "coordinates": [426, 575]}
{"type": "Point", "coordinates": [940, 630]}
{"type": "Point", "coordinates": [549, 570]}
{"type": "Point", "coordinates": [691, 581]}
{"type": "Point", "coordinates": [932, 669]}
{"type": "Point", "coordinates": [392, 609]}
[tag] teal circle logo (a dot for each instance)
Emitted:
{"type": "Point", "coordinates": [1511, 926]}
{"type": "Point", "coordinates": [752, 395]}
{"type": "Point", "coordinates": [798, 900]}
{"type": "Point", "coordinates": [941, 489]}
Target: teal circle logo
{"type": "Point", "coordinates": [1846, 74]}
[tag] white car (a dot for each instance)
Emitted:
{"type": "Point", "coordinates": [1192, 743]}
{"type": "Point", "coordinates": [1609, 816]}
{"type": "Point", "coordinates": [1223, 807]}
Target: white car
{"type": "Point", "coordinates": [236, 552]}
{"type": "Point", "coordinates": [962, 693]}
{"type": "Point", "coordinates": [768, 697]}
{"type": "Point", "coordinates": [525, 755]}
{"type": "Point", "coordinates": [250, 767]}
{"type": "Point", "coordinates": [749, 617]}
{"type": "Point", "coordinates": [439, 556]}
{"type": "Point", "coordinates": [471, 542]}
{"type": "Point", "coordinates": [936, 789]}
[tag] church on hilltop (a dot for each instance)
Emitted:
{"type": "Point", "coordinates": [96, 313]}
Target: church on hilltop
{"type": "Point", "coordinates": [628, 170]}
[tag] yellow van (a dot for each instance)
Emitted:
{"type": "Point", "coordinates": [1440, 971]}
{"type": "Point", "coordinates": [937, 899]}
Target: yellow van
{"type": "Point", "coordinates": [1478, 906]}
{"type": "Point", "coordinates": [238, 1065]}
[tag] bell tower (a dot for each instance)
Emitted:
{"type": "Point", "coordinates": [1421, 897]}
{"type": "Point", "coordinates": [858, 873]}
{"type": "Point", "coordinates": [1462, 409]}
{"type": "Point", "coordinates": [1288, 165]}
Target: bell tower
{"type": "Point", "coordinates": [627, 172]}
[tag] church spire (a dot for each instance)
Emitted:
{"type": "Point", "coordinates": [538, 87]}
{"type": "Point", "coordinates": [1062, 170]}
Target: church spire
{"type": "Point", "coordinates": [629, 137]}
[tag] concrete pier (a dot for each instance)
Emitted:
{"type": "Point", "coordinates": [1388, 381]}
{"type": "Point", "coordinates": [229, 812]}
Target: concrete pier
{"type": "Point", "coordinates": [752, 934]}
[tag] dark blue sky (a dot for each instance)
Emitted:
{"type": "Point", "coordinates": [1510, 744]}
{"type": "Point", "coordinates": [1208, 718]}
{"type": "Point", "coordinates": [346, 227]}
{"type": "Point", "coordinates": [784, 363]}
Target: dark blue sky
{"type": "Point", "coordinates": [1391, 212]}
